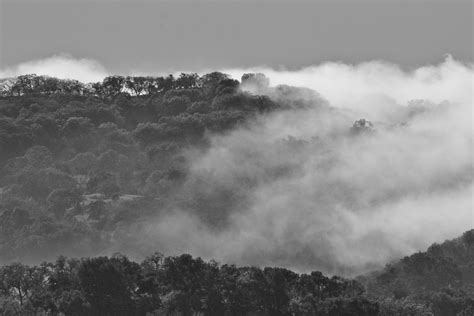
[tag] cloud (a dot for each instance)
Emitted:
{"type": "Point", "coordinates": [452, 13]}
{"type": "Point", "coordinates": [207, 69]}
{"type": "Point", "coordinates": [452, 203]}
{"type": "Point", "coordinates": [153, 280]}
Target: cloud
{"type": "Point", "coordinates": [352, 86]}
{"type": "Point", "coordinates": [301, 189]}
{"type": "Point", "coordinates": [60, 66]}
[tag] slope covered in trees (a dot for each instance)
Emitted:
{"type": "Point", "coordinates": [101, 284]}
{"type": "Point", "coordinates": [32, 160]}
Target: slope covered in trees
{"type": "Point", "coordinates": [81, 163]}
{"type": "Point", "coordinates": [79, 160]}
{"type": "Point", "coordinates": [183, 285]}
{"type": "Point", "coordinates": [165, 285]}
{"type": "Point", "coordinates": [441, 279]}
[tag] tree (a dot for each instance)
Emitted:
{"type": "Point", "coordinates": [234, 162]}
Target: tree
{"type": "Point", "coordinates": [51, 85]}
{"type": "Point", "coordinates": [174, 105]}
{"type": "Point", "coordinates": [362, 126]}
{"type": "Point", "coordinates": [152, 85]}
{"type": "Point", "coordinates": [237, 300]}
{"type": "Point", "coordinates": [199, 107]}
{"type": "Point", "coordinates": [255, 82]}
{"type": "Point", "coordinates": [227, 86]}
{"type": "Point", "coordinates": [73, 302]}
{"type": "Point", "coordinates": [190, 286]}
{"type": "Point", "coordinates": [166, 83]}
{"type": "Point", "coordinates": [277, 294]}
{"type": "Point", "coordinates": [6, 86]}
{"type": "Point", "coordinates": [71, 87]}
{"type": "Point", "coordinates": [186, 81]}
{"type": "Point", "coordinates": [105, 286]}
{"type": "Point", "coordinates": [209, 82]}
{"type": "Point", "coordinates": [468, 237]}
{"type": "Point", "coordinates": [136, 84]}
{"type": "Point", "coordinates": [24, 84]}
{"type": "Point", "coordinates": [341, 306]}
{"type": "Point", "coordinates": [229, 102]}
{"type": "Point", "coordinates": [112, 85]}
{"type": "Point", "coordinates": [20, 281]}
{"type": "Point", "coordinates": [448, 302]}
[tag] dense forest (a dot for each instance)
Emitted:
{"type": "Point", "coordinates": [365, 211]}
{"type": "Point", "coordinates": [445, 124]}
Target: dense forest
{"type": "Point", "coordinates": [77, 161]}
{"type": "Point", "coordinates": [439, 281]}
{"type": "Point", "coordinates": [81, 163]}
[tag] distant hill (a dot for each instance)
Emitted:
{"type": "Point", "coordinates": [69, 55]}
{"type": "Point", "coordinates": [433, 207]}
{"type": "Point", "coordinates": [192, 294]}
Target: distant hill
{"type": "Point", "coordinates": [441, 278]}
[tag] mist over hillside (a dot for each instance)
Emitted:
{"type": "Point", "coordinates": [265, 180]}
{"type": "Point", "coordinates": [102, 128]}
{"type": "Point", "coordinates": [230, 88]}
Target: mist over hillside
{"type": "Point", "coordinates": [236, 158]}
{"type": "Point", "coordinates": [339, 168]}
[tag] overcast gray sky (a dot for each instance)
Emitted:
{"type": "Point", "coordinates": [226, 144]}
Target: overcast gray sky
{"type": "Point", "coordinates": [171, 36]}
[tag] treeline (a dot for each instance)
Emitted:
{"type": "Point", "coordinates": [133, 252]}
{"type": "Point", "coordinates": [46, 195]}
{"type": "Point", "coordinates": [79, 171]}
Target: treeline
{"type": "Point", "coordinates": [205, 103]}
{"type": "Point", "coordinates": [179, 285]}
{"type": "Point", "coordinates": [437, 282]}
{"type": "Point", "coordinates": [111, 86]}
{"type": "Point", "coordinates": [33, 84]}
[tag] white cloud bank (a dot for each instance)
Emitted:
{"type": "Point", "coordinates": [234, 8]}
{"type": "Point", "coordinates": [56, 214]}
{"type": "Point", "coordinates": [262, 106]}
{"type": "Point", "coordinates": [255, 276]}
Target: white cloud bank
{"type": "Point", "coordinates": [345, 85]}
{"type": "Point", "coordinates": [60, 66]}
{"type": "Point", "coordinates": [314, 195]}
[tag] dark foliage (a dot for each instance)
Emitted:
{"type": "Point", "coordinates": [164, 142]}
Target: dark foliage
{"type": "Point", "coordinates": [180, 285]}
{"type": "Point", "coordinates": [73, 156]}
{"type": "Point", "coordinates": [439, 281]}
{"type": "Point", "coordinates": [183, 285]}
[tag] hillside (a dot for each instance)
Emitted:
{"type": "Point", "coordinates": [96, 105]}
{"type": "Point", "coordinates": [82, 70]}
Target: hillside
{"type": "Point", "coordinates": [442, 278]}
{"type": "Point", "coordinates": [237, 171]}
{"type": "Point", "coordinates": [80, 161]}
{"type": "Point", "coordinates": [436, 282]}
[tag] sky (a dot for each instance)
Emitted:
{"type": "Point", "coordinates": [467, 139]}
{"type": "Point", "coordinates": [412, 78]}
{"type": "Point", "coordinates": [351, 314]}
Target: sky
{"type": "Point", "coordinates": [171, 36]}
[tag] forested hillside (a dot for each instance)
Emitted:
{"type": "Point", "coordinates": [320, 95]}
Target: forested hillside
{"type": "Point", "coordinates": [437, 282]}
{"type": "Point", "coordinates": [442, 279]}
{"type": "Point", "coordinates": [85, 167]}
{"type": "Point", "coordinates": [78, 161]}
